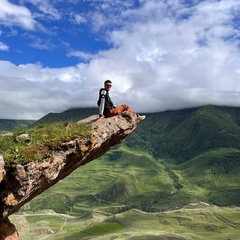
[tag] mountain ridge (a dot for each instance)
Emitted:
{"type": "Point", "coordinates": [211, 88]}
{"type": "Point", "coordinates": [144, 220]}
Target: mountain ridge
{"type": "Point", "coordinates": [13, 124]}
{"type": "Point", "coordinates": [183, 134]}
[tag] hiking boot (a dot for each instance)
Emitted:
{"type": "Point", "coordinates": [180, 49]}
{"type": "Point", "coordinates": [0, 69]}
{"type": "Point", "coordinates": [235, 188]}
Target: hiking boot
{"type": "Point", "coordinates": [140, 117]}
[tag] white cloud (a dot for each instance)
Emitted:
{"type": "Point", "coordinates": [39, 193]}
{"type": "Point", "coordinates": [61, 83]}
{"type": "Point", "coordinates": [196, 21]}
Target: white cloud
{"type": "Point", "coordinates": [11, 14]}
{"type": "Point", "coordinates": [42, 44]}
{"type": "Point", "coordinates": [165, 55]}
{"type": "Point", "coordinates": [81, 55]}
{"type": "Point", "coordinates": [3, 47]}
{"type": "Point", "coordinates": [47, 8]}
{"type": "Point", "coordinates": [28, 91]}
{"type": "Point", "coordinates": [78, 19]}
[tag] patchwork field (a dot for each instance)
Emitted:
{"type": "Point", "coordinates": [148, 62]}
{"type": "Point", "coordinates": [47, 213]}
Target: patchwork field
{"type": "Point", "coordinates": [195, 221]}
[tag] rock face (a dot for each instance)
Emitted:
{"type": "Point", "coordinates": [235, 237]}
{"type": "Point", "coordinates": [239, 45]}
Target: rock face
{"type": "Point", "coordinates": [2, 170]}
{"type": "Point", "coordinates": [26, 182]}
{"type": "Point", "coordinates": [8, 230]}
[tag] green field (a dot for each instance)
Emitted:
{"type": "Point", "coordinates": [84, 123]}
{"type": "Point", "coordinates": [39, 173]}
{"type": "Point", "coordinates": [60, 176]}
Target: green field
{"type": "Point", "coordinates": [195, 221]}
{"type": "Point", "coordinates": [127, 194]}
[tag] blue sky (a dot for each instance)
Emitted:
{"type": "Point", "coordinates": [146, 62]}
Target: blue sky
{"type": "Point", "coordinates": [160, 54]}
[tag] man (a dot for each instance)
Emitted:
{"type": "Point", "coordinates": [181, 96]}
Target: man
{"type": "Point", "coordinates": [107, 108]}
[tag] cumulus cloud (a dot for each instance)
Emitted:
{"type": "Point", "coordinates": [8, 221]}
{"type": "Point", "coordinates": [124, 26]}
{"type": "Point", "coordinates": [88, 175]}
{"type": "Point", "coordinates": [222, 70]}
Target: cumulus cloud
{"type": "Point", "coordinates": [11, 14]}
{"type": "Point", "coordinates": [3, 47]}
{"type": "Point", "coordinates": [164, 55]}
{"type": "Point", "coordinates": [82, 55]}
{"type": "Point", "coordinates": [78, 19]}
{"type": "Point", "coordinates": [29, 90]}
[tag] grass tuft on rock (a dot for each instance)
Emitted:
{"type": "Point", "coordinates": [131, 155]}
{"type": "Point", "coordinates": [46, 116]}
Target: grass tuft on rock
{"type": "Point", "coordinates": [42, 140]}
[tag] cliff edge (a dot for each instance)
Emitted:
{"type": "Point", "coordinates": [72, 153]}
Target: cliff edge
{"type": "Point", "coordinates": [22, 184]}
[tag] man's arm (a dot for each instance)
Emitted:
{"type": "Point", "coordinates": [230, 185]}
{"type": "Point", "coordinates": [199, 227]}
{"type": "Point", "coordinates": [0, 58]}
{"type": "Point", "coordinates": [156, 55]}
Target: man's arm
{"type": "Point", "coordinates": [102, 103]}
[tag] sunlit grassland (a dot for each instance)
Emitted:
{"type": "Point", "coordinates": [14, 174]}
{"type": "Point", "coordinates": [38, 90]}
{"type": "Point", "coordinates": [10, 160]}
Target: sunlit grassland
{"type": "Point", "coordinates": [198, 222]}
{"type": "Point", "coordinates": [38, 225]}
{"type": "Point", "coordinates": [216, 174]}
{"type": "Point", "coordinates": [217, 166]}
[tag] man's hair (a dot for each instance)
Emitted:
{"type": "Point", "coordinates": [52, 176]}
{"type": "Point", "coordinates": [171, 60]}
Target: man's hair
{"type": "Point", "coordinates": [107, 81]}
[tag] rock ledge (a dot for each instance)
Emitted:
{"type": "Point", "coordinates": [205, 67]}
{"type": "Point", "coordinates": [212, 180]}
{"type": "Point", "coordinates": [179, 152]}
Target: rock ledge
{"type": "Point", "coordinates": [28, 181]}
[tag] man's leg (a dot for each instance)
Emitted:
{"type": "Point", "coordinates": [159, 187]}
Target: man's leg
{"type": "Point", "coordinates": [118, 110]}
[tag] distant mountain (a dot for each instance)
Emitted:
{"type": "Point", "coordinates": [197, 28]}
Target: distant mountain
{"type": "Point", "coordinates": [12, 125]}
{"type": "Point", "coordinates": [73, 114]}
{"type": "Point", "coordinates": [184, 134]}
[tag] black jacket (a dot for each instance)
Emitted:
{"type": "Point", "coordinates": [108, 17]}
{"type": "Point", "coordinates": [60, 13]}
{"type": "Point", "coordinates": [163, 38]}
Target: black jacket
{"type": "Point", "coordinates": [104, 102]}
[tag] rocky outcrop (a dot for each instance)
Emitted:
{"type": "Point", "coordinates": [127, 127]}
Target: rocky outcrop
{"type": "Point", "coordinates": [22, 184]}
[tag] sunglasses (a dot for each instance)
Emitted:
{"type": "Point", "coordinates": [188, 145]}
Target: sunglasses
{"type": "Point", "coordinates": [108, 85]}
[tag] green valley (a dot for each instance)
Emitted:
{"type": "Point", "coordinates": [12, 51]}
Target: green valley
{"type": "Point", "coordinates": [194, 222]}
{"type": "Point", "coordinates": [175, 177]}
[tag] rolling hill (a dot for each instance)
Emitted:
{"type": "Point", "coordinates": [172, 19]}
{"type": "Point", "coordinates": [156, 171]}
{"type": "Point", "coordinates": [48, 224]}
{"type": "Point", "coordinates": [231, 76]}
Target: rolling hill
{"type": "Point", "coordinates": [73, 115]}
{"type": "Point", "coordinates": [183, 134]}
{"type": "Point", "coordinates": [12, 125]}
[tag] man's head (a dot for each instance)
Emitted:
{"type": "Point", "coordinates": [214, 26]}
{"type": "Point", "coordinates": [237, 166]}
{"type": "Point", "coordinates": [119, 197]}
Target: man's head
{"type": "Point", "coordinates": [108, 85]}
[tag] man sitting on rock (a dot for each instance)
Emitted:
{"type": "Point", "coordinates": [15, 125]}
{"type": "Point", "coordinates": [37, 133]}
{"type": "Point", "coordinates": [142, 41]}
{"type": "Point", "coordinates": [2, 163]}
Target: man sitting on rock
{"type": "Point", "coordinates": [107, 108]}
